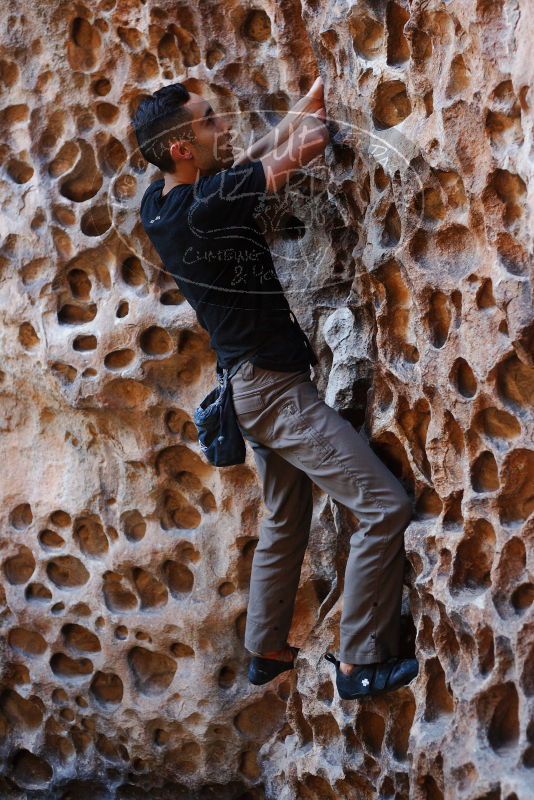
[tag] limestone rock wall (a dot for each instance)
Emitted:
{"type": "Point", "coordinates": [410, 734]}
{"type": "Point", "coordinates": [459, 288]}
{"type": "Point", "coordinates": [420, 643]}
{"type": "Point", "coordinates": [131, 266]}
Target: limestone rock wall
{"type": "Point", "coordinates": [406, 255]}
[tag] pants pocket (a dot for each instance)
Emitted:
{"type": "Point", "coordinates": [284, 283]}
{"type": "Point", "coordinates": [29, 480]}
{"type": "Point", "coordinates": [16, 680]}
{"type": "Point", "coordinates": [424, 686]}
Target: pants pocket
{"type": "Point", "coordinates": [246, 403]}
{"type": "Point", "coordinates": [312, 448]}
{"type": "Point", "coordinates": [318, 443]}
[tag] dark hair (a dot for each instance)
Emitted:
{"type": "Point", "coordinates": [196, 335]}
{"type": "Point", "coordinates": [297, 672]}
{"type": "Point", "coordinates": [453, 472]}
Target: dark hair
{"type": "Point", "coordinates": [159, 120]}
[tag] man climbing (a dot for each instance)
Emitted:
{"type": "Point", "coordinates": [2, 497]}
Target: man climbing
{"type": "Point", "coordinates": [201, 220]}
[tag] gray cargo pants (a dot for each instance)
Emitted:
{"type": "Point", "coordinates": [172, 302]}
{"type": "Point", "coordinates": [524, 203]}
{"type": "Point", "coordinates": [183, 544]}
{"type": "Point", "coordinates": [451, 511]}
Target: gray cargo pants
{"type": "Point", "coordinates": [296, 439]}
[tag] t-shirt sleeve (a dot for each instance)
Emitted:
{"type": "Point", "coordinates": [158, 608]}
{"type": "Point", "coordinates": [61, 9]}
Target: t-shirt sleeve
{"type": "Point", "coordinates": [231, 196]}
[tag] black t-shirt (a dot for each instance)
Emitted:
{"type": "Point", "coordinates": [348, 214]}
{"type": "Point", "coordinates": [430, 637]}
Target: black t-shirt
{"type": "Point", "coordinates": [207, 238]}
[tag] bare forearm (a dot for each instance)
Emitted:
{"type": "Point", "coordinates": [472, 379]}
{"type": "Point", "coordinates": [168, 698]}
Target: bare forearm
{"type": "Point", "coordinates": [294, 117]}
{"type": "Point", "coordinates": [281, 132]}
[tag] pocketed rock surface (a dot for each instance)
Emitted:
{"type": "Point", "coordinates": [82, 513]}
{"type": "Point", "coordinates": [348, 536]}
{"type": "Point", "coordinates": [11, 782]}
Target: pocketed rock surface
{"type": "Point", "coordinates": [405, 251]}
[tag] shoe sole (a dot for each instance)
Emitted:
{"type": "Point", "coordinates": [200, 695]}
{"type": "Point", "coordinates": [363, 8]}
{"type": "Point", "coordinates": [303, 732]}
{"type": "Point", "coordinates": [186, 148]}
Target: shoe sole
{"type": "Point", "coordinates": [374, 694]}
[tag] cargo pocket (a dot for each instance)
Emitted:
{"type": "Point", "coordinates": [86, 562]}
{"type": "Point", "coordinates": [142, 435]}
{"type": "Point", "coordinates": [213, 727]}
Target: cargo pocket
{"type": "Point", "coordinates": [319, 444]}
{"type": "Point", "coordinates": [312, 448]}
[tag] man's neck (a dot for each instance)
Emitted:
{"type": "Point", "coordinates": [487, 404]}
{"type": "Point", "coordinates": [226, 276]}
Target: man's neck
{"type": "Point", "coordinates": [192, 176]}
{"type": "Point", "coordinates": [171, 182]}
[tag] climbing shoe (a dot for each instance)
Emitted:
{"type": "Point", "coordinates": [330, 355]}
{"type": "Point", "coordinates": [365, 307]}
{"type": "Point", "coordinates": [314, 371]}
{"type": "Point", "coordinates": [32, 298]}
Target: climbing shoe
{"type": "Point", "coordinates": [368, 680]}
{"type": "Point", "coordinates": [262, 670]}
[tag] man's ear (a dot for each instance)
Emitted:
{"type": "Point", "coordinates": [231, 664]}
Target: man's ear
{"type": "Point", "coordinates": [179, 150]}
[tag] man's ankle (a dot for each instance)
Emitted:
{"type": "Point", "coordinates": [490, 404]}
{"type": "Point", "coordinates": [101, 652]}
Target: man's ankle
{"type": "Point", "coordinates": [348, 668]}
{"type": "Point", "coordinates": [282, 653]}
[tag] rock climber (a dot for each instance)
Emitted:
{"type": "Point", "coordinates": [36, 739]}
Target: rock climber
{"type": "Point", "coordinates": [202, 218]}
